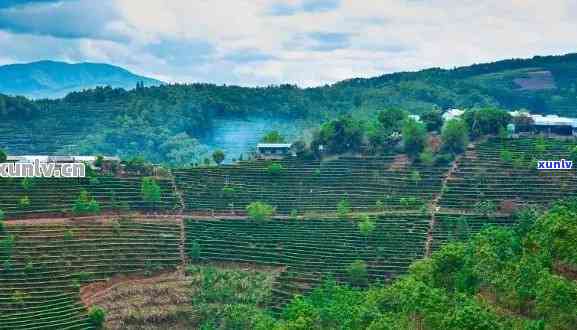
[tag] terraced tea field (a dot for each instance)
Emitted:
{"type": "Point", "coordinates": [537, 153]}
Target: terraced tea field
{"type": "Point", "coordinates": [44, 263]}
{"type": "Point", "coordinates": [311, 186]}
{"type": "Point", "coordinates": [56, 195]}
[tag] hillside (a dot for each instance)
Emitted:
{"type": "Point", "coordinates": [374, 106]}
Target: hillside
{"type": "Point", "coordinates": [196, 260]}
{"type": "Point", "coordinates": [178, 124]}
{"type": "Point", "coordinates": [51, 79]}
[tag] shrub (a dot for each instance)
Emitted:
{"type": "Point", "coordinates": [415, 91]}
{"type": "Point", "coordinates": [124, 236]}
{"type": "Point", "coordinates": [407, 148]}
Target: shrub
{"type": "Point", "coordinates": [24, 202]}
{"type": "Point", "coordinates": [411, 202]}
{"type": "Point", "coordinates": [27, 183]}
{"type": "Point", "coordinates": [150, 190]}
{"type": "Point", "coordinates": [506, 156]}
{"type": "Point", "coordinates": [275, 169]}
{"type": "Point", "coordinates": [227, 192]}
{"type": "Point", "coordinates": [260, 211]}
{"type": "Point", "coordinates": [85, 205]}
{"type": "Point", "coordinates": [344, 208]}
{"type": "Point", "coordinates": [357, 272]}
{"type": "Point", "coordinates": [444, 159]}
{"type": "Point", "coordinates": [68, 235]}
{"type": "Point", "coordinates": [2, 218]}
{"type": "Point", "coordinates": [195, 251]}
{"type": "Point", "coordinates": [97, 316]}
{"type": "Point", "coordinates": [366, 225]}
{"type": "Point", "coordinates": [415, 177]}
{"type": "Point", "coordinates": [426, 157]}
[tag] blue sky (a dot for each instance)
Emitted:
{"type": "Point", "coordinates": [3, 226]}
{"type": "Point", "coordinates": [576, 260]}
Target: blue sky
{"type": "Point", "coordinates": [262, 42]}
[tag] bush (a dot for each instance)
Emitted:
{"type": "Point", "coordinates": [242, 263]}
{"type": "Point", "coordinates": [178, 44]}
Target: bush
{"type": "Point", "coordinates": [358, 274]}
{"type": "Point", "coordinates": [426, 157]}
{"type": "Point", "coordinates": [85, 205]}
{"type": "Point", "coordinates": [444, 159]}
{"type": "Point", "coordinates": [195, 251]}
{"type": "Point", "coordinates": [260, 211]}
{"type": "Point", "coordinates": [227, 192]}
{"type": "Point", "coordinates": [366, 226]}
{"type": "Point", "coordinates": [24, 202]}
{"type": "Point", "coordinates": [344, 208]}
{"type": "Point", "coordinates": [68, 235]}
{"type": "Point", "coordinates": [2, 218]}
{"type": "Point", "coordinates": [150, 190]}
{"type": "Point", "coordinates": [97, 316]}
{"type": "Point", "coordinates": [275, 169]}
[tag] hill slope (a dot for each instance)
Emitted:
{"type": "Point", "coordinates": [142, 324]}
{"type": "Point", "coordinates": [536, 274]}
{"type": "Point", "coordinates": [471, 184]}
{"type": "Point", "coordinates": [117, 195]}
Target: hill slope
{"type": "Point", "coordinates": [162, 123]}
{"type": "Point", "coordinates": [49, 79]}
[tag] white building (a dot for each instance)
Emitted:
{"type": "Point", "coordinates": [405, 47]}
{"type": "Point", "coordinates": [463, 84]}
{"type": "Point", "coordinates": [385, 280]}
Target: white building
{"type": "Point", "coordinates": [452, 114]}
{"type": "Point", "coordinates": [273, 150]}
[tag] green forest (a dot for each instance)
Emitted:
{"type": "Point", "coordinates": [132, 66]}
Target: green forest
{"type": "Point", "coordinates": [165, 123]}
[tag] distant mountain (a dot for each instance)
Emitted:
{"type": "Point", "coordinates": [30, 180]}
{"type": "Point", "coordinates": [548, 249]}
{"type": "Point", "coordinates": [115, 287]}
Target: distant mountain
{"type": "Point", "coordinates": [50, 79]}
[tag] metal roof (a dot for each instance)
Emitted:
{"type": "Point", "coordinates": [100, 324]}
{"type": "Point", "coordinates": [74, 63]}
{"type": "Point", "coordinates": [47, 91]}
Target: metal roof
{"type": "Point", "coordinates": [274, 145]}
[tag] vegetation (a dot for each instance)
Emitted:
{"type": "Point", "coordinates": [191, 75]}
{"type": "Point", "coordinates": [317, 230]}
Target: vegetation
{"type": "Point", "coordinates": [85, 205]}
{"type": "Point", "coordinates": [218, 156]}
{"type": "Point", "coordinates": [259, 211]}
{"type": "Point", "coordinates": [150, 190]}
{"type": "Point", "coordinates": [273, 137]}
{"type": "Point", "coordinates": [97, 317]}
{"type": "Point", "coordinates": [165, 123]}
{"type": "Point", "coordinates": [414, 137]}
{"type": "Point", "coordinates": [275, 169]}
{"type": "Point", "coordinates": [501, 279]}
{"type": "Point", "coordinates": [455, 136]}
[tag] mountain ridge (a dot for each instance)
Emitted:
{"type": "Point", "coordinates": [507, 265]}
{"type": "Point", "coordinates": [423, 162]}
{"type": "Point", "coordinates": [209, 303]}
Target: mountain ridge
{"type": "Point", "coordinates": [55, 79]}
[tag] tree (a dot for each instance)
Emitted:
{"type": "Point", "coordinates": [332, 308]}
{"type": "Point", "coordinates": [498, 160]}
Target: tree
{"type": "Point", "coordinates": [150, 190]}
{"type": "Point", "coordinates": [273, 137]}
{"type": "Point", "coordinates": [414, 137]}
{"type": "Point", "coordinates": [97, 316]}
{"type": "Point", "coordinates": [3, 156]}
{"type": "Point", "coordinates": [339, 136]}
{"type": "Point", "coordinates": [391, 119]}
{"type": "Point", "coordinates": [357, 272]}
{"type": "Point", "coordinates": [2, 218]}
{"type": "Point", "coordinates": [260, 211]}
{"type": "Point", "coordinates": [486, 120]}
{"type": "Point", "coordinates": [218, 156]}
{"type": "Point", "coordinates": [454, 136]}
{"type": "Point", "coordinates": [433, 120]}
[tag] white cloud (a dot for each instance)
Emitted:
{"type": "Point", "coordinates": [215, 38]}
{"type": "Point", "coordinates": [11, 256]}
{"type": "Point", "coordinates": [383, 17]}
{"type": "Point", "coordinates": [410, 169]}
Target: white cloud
{"type": "Point", "coordinates": [309, 43]}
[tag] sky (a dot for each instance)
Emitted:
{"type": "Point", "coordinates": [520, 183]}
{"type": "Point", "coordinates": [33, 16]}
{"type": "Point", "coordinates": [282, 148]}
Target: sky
{"type": "Point", "coordinates": [266, 42]}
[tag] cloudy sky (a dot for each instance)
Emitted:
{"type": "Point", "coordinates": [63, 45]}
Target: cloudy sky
{"type": "Point", "coordinates": [304, 42]}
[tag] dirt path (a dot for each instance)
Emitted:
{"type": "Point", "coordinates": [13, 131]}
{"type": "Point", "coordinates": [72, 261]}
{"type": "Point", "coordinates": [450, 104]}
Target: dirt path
{"type": "Point", "coordinates": [434, 205]}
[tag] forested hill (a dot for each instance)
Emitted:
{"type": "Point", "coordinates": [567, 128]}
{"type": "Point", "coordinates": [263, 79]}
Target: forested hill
{"type": "Point", "coordinates": [163, 122]}
{"type": "Point", "coordinates": [51, 79]}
